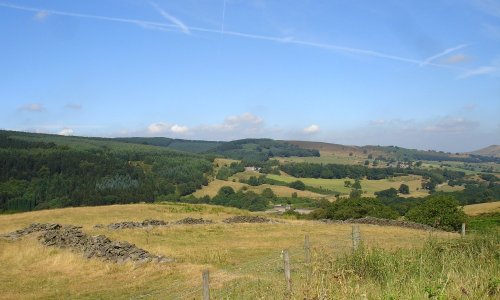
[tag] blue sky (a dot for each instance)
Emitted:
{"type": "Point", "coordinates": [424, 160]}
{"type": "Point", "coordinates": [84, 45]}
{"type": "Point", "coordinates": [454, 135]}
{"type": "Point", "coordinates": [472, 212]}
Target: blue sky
{"type": "Point", "coordinates": [419, 74]}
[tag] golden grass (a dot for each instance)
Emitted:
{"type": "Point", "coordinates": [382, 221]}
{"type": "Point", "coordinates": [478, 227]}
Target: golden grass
{"type": "Point", "coordinates": [232, 252]}
{"type": "Point", "coordinates": [282, 191]}
{"type": "Point", "coordinates": [481, 208]}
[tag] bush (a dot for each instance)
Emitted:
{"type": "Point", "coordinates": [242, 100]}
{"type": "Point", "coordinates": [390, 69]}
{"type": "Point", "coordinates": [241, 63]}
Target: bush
{"type": "Point", "coordinates": [298, 185]}
{"type": "Point", "coordinates": [440, 211]}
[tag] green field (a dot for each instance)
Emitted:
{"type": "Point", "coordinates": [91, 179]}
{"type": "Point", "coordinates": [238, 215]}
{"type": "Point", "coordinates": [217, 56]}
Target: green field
{"type": "Point", "coordinates": [368, 186]}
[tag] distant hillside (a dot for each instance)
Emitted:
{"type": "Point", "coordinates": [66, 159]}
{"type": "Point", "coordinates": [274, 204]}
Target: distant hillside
{"type": "Point", "coordinates": [175, 144]}
{"type": "Point", "coordinates": [259, 150]}
{"type": "Point", "coordinates": [397, 153]}
{"type": "Point", "coordinates": [493, 150]}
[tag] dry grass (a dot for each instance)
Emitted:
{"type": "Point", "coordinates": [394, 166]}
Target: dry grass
{"type": "Point", "coordinates": [482, 208]}
{"type": "Point", "coordinates": [281, 191]}
{"type": "Point", "coordinates": [233, 252]}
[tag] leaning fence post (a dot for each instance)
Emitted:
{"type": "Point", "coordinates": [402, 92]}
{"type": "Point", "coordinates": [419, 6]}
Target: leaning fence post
{"type": "Point", "coordinates": [206, 287]}
{"type": "Point", "coordinates": [286, 259]}
{"type": "Point", "coordinates": [463, 229]}
{"type": "Point", "coordinates": [355, 237]}
{"type": "Point", "coordinates": [307, 249]}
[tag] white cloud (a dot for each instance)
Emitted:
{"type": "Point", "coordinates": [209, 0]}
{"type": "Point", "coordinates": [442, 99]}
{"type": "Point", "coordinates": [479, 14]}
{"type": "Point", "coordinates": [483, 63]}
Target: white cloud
{"type": "Point", "coordinates": [179, 129]}
{"type": "Point", "coordinates": [245, 118]}
{"type": "Point", "coordinates": [311, 129]}
{"type": "Point", "coordinates": [66, 131]}
{"type": "Point", "coordinates": [159, 127]}
{"type": "Point", "coordinates": [41, 15]}
{"type": "Point", "coordinates": [33, 107]}
{"type": "Point", "coordinates": [163, 128]}
{"type": "Point", "coordinates": [478, 71]}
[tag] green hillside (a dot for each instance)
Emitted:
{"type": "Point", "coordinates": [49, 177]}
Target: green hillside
{"type": "Point", "coordinates": [40, 171]}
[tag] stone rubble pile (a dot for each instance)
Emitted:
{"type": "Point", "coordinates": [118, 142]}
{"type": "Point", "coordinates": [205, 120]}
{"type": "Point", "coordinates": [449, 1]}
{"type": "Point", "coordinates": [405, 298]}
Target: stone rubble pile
{"type": "Point", "coordinates": [35, 227]}
{"type": "Point", "coordinates": [193, 221]}
{"type": "Point", "coordinates": [98, 246]}
{"type": "Point", "coordinates": [247, 219]}
{"type": "Point", "coordinates": [130, 224]}
{"type": "Point", "coordinates": [72, 237]}
{"type": "Point", "coordinates": [383, 222]}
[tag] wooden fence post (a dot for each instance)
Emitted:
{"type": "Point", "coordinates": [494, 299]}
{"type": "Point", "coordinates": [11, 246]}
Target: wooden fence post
{"type": "Point", "coordinates": [307, 249]}
{"type": "Point", "coordinates": [355, 237]}
{"type": "Point", "coordinates": [463, 229]}
{"type": "Point", "coordinates": [206, 287]}
{"type": "Point", "coordinates": [286, 259]}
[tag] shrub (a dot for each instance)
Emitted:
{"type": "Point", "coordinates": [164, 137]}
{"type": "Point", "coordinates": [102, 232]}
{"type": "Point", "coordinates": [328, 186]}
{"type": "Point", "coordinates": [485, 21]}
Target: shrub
{"type": "Point", "coordinates": [440, 211]}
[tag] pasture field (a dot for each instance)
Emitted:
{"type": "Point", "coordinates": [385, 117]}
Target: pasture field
{"type": "Point", "coordinates": [482, 208]}
{"type": "Point", "coordinates": [281, 191]}
{"type": "Point", "coordinates": [327, 158]}
{"type": "Point", "coordinates": [370, 186]}
{"type": "Point", "coordinates": [244, 259]}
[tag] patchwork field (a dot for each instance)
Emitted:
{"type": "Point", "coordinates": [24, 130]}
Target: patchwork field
{"type": "Point", "coordinates": [244, 259]}
{"type": "Point", "coordinates": [369, 186]}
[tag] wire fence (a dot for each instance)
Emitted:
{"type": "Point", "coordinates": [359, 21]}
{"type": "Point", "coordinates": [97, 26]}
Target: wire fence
{"type": "Point", "coordinates": [267, 272]}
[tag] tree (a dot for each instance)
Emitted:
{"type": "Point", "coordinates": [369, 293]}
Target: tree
{"type": "Point", "coordinates": [389, 193]}
{"type": "Point", "coordinates": [298, 185]}
{"type": "Point", "coordinates": [225, 192]}
{"type": "Point", "coordinates": [354, 194]}
{"type": "Point", "coordinates": [347, 183]}
{"type": "Point", "coordinates": [268, 193]}
{"type": "Point", "coordinates": [440, 211]}
{"type": "Point", "coordinates": [404, 189]}
{"type": "Point", "coordinates": [357, 184]}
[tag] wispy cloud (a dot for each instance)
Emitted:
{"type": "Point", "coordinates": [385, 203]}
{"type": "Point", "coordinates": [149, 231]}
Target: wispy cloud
{"type": "Point", "coordinates": [288, 40]}
{"type": "Point", "coordinates": [73, 106]}
{"type": "Point", "coordinates": [456, 59]}
{"type": "Point", "coordinates": [182, 27]}
{"type": "Point", "coordinates": [32, 107]}
{"type": "Point", "coordinates": [451, 125]}
{"type": "Point", "coordinates": [441, 54]}
{"type": "Point", "coordinates": [311, 129]}
{"type": "Point", "coordinates": [40, 16]}
{"type": "Point", "coordinates": [485, 70]}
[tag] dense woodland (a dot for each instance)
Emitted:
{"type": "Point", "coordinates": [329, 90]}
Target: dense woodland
{"type": "Point", "coordinates": [37, 175]}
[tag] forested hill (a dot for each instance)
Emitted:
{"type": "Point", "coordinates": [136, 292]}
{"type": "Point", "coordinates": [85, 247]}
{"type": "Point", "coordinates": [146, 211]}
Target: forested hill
{"type": "Point", "coordinates": [192, 146]}
{"type": "Point", "coordinates": [46, 171]}
{"type": "Point", "coordinates": [259, 150]}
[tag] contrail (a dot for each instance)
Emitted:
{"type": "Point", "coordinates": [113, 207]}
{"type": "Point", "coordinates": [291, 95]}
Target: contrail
{"type": "Point", "coordinates": [443, 53]}
{"type": "Point", "coordinates": [287, 40]}
{"type": "Point", "coordinates": [171, 18]}
{"type": "Point", "coordinates": [223, 17]}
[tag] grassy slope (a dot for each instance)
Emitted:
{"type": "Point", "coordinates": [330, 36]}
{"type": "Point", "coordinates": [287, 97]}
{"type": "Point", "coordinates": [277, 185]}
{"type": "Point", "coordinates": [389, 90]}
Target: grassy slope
{"type": "Point", "coordinates": [281, 191]}
{"type": "Point", "coordinates": [493, 150]}
{"type": "Point", "coordinates": [482, 208]}
{"type": "Point", "coordinates": [240, 256]}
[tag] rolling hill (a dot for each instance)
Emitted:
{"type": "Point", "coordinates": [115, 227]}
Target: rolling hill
{"type": "Point", "coordinates": [493, 150]}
